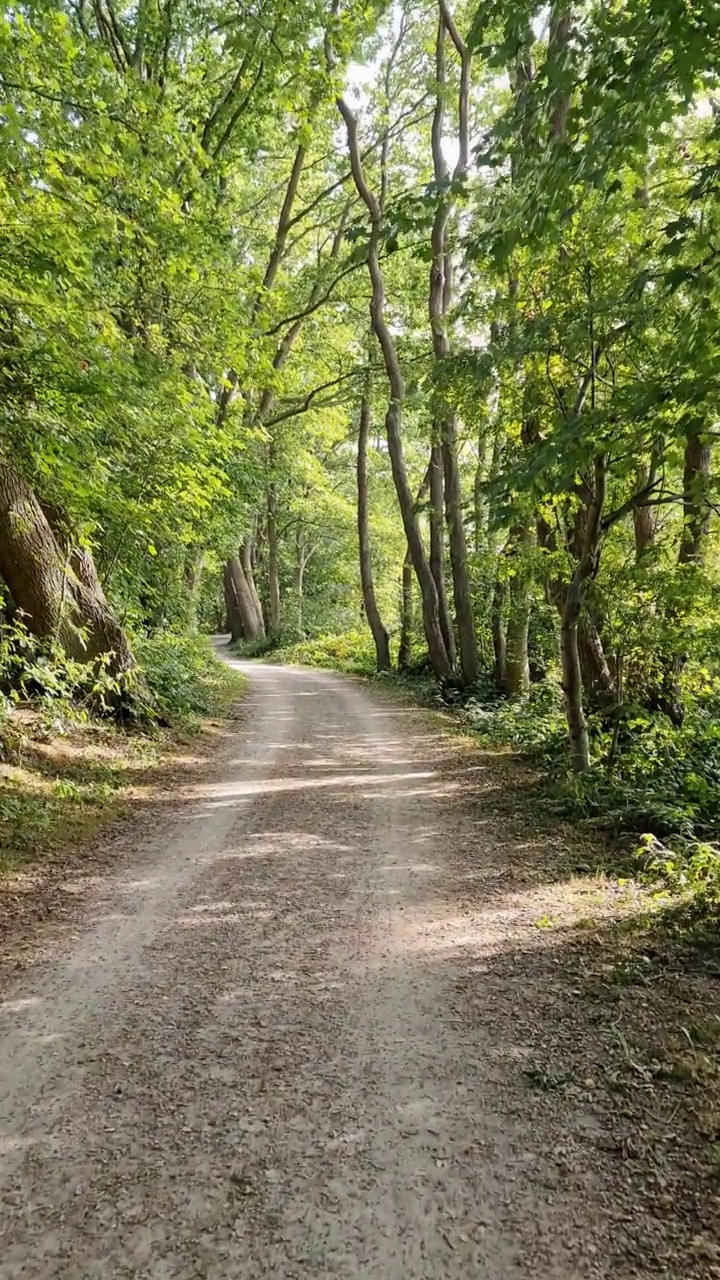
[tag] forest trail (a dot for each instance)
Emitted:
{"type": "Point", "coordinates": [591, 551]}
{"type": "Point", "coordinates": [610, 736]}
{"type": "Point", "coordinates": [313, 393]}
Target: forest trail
{"type": "Point", "coordinates": [288, 1038]}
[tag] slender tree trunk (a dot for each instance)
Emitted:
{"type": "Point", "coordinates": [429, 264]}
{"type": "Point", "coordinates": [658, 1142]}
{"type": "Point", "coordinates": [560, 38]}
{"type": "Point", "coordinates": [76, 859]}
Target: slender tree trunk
{"type": "Point", "coordinates": [273, 562]}
{"type": "Point", "coordinates": [58, 591]}
{"type": "Point", "coordinates": [380, 636]}
{"type": "Point", "coordinates": [696, 523]}
{"type": "Point", "coordinates": [696, 508]}
{"type": "Point", "coordinates": [193, 571]}
{"type": "Point", "coordinates": [393, 418]}
{"type": "Point", "coordinates": [406, 614]}
{"type": "Point", "coordinates": [585, 571]}
{"type": "Point", "coordinates": [483, 469]}
{"type": "Point", "coordinates": [462, 591]}
{"type": "Point", "coordinates": [572, 678]}
{"type": "Point", "coordinates": [517, 663]}
{"type": "Point", "coordinates": [302, 556]}
{"type": "Point", "coordinates": [437, 544]}
{"type": "Point", "coordinates": [643, 518]}
{"type": "Point", "coordinates": [439, 303]}
{"type": "Point", "coordinates": [497, 625]}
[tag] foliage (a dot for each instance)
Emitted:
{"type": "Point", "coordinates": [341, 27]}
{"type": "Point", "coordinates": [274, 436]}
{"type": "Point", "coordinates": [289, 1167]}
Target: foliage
{"type": "Point", "coordinates": [534, 726]}
{"type": "Point", "coordinates": [351, 652]}
{"type": "Point", "coordinates": [185, 677]}
{"type": "Point", "coordinates": [185, 343]}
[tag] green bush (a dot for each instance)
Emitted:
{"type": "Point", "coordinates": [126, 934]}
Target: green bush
{"type": "Point", "coordinates": [352, 652]}
{"type": "Point", "coordinates": [534, 726]}
{"type": "Point", "coordinates": [184, 676]}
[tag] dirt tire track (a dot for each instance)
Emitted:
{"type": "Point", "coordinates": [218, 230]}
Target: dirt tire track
{"type": "Point", "coordinates": [262, 1058]}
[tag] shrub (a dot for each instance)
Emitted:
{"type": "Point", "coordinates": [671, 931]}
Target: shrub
{"type": "Point", "coordinates": [184, 676]}
{"type": "Point", "coordinates": [352, 652]}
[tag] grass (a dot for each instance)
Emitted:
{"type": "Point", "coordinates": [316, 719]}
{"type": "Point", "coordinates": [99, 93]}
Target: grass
{"type": "Point", "coordinates": [65, 775]}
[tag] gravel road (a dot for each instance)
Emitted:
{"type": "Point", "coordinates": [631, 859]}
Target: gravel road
{"type": "Point", "coordinates": [276, 1044]}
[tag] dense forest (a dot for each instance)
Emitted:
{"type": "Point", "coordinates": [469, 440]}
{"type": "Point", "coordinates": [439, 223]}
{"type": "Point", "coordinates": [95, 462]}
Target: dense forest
{"type": "Point", "coordinates": [387, 328]}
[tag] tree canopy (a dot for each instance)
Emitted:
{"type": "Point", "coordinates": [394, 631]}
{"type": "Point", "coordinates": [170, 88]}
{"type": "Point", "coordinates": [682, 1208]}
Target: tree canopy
{"type": "Point", "coordinates": [323, 318]}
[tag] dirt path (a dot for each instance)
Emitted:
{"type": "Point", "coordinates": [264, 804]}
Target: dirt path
{"type": "Point", "coordinates": [288, 1039]}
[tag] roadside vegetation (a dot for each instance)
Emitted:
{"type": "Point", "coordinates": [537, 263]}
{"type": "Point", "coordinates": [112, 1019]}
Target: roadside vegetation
{"type": "Point", "coordinates": [67, 767]}
{"type": "Point", "coordinates": [405, 360]}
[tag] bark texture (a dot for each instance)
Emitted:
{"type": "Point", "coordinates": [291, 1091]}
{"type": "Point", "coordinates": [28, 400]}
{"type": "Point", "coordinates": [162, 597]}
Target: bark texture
{"type": "Point", "coordinates": [274, 620]}
{"type": "Point", "coordinates": [380, 636]}
{"type": "Point", "coordinates": [57, 589]}
{"type": "Point", "coordinates": [437, 544]}
{"type": "Point", "coordinates": [406, 614]}
{"type": "Point", "coordinates": [234, 618]}
{"type": "Point", "coordinates": [251, 624]}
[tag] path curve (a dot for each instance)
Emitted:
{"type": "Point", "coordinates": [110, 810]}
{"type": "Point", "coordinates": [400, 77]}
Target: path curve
{"type": "Point", "coordinates": [259, 1056]}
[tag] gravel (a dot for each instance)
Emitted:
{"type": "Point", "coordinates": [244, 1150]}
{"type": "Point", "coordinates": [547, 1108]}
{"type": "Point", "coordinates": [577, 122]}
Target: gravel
{"type": "Point", "coordinates": [297, 1033]}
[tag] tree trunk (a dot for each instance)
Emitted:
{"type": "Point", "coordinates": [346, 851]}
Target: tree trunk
{"type": "Point", "coordinates": [302, 556]}
{"type": "Point", "coordinates": [406, 614]}
{"type": "Point", "coordinates": [517, 663]}
{"type": "Point", "coordinates": [428, 592]}
{"type": "Point", "coordinates": [234, 618]}
{"type": "Point", "coordinates": [597, 678]}
{"type": "Point", "coordinates": [246, 559]}
{"type": "Point", "coordinates": [246, 608]}
{"type": "Point", "coordinates": [59, 593]}
{"type": "Point", "coordinates": [572, 678]}
{"type": "Point", "coordinates": [393, 418]}
{"type": "Point", "coordinates": [587, 566]}
{"type": "Point", "coordinates": [273, 563]}
{"type": "Point", "coordinates": [437, 544]}
{"type": "Point", "coordinates": [696, 508]}
{"type": "Point", "coordinates": [380, 636]}
{"type": "Point", "coordinates": [193, 570]}
{"type": "Point", "coordinates": [440, 297]}
{"type": "Point", "coordinates": [696, 523]}
{"type": "Point", "coordinates": [462, 592]}
{"type": "Point", "coordinates": [498, 631]}
{"type": "Point", "coordinates": [483, 468]}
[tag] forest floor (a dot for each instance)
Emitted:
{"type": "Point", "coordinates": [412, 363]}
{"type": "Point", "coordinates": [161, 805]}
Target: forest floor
{"type": "Point", "coordinates": [337, 1003]}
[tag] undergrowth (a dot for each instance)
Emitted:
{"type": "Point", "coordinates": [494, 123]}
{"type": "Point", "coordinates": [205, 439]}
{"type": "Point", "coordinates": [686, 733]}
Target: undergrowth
{"type": "Point", "coordinates": [351, 652]}
{"type": "Point", "coordinates": [67, 765]}
{"type": "Point", "coordinates": [653, 787]}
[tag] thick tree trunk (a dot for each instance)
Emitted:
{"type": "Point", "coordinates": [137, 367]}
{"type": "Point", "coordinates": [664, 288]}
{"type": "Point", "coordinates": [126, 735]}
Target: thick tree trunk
{"type": "Point", "coordinates": [437, 544]}
{"type": "Point", "coordinates": [252, 630]}
{"type": "Point", "coordinates": [246, 559]}
{"type": "Point", "coordinates": [380, 636]}
{"type": "Point", "coordinates": [597, 679]}
{"type": "Point", "coordinates": [406, 614]}
{"type": "Point", "coordinates": [273, 564]}
{"type": "Point", "coordinates": [58, 592]}
{"type": "Point", "coordinates": [234, 617]}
